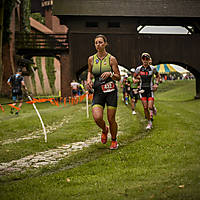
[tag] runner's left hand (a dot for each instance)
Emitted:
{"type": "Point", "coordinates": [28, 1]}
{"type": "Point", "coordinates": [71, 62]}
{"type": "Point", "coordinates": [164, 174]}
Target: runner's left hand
{"type": "Point", "coordinates": [105, 75]}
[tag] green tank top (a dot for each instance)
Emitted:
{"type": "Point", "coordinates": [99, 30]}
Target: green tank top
{"type": "Point", "coordinates": [98, 68]}
{"type": "Point", "coordinates": [101, 66]}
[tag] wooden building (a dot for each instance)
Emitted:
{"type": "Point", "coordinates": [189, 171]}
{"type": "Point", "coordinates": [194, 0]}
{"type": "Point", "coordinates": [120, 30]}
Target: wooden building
{"type": "Point", "coordinates": [119, 21]}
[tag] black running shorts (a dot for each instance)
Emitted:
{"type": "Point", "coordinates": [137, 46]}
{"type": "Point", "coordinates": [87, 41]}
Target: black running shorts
{"type": "Point", "coordinates": [110, 99]}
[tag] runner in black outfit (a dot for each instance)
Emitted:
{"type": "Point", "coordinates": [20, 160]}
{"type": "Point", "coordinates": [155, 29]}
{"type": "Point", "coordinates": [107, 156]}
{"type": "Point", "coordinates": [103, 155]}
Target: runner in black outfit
{"type": "Point", "coordinates": [146, 72]}
{"type": "Point", "coordinates": [16, 82]}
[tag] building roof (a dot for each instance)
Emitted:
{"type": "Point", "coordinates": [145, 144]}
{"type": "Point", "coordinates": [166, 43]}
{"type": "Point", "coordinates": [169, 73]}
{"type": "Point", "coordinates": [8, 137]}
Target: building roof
{"type": "Point", "coordinates": [40, 27]}
{"type": "Point", "coordinates": [132, 8]}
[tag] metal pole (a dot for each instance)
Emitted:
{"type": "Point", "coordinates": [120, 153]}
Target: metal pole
{"type": "Point", "coordinates": [87, 110]}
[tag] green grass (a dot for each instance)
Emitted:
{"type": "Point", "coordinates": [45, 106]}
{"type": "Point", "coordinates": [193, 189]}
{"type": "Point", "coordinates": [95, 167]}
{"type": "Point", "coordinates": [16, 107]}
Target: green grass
{"type": "Point", "coordinates": [163, 163]}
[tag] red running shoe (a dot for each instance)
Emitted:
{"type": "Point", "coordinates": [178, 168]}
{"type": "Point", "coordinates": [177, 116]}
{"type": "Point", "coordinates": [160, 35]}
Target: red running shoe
{"type": "Point", "coordinates": [113, 145]}
{"type": "Point", "coordinates": [104, 136]}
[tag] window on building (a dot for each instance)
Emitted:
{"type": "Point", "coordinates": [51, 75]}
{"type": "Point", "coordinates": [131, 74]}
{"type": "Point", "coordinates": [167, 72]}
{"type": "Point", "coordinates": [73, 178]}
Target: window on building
{"type": "Point", "coordinates": [114, 24]}
{"type": "Point", "coordinates": [91, 24]}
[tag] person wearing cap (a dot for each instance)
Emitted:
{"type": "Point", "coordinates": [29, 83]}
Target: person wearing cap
{"type": "Point", "coordinates": [146, 72]}
{"type": "Point", "coordinates": [133, 84]}
{"type": "Point", "coordinates": [16, 82]}
{"type": "Point", "coordinates": [104, 67]}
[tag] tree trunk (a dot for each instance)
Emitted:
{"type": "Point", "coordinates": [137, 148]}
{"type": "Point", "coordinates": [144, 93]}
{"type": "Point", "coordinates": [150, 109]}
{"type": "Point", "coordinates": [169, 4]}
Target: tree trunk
{"type": "Point", "coordinates": [1, 40]}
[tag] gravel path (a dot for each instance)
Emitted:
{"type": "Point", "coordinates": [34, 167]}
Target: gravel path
{"type": "Point", "coordinates": [45, 158]}
{"type": "Point", "coordinates": [49, 157]}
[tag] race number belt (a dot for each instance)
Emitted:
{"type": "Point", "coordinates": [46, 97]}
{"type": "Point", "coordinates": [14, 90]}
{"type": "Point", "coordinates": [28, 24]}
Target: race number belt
{"type": "Point", "coordinates": [108, 87]}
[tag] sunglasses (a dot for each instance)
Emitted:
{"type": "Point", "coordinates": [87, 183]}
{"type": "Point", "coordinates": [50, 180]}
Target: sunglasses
{"type": "Point", "coordinates": [145, 58]}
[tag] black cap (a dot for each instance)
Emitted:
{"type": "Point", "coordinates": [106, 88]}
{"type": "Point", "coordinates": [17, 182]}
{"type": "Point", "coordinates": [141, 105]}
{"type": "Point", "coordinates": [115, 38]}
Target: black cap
{"type": "Point", "coordinates": [147, 55]}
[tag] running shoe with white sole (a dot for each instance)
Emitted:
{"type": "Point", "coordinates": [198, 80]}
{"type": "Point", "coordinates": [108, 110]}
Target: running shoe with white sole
{"type": "Point", "coordinates": [133, 112]}
{"type": "Point", "coordinates": [149, 126]}
{"type": "Point", "coordinates": [113, 145]}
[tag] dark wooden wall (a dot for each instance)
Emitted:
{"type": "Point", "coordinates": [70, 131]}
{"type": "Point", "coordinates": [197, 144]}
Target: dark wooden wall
{"type": "Point", "coordinates": [147, 8]}
{"type": "Point", "coordinates": [125, 43]}
{"type": "Point", "coordinates": [127, 48]}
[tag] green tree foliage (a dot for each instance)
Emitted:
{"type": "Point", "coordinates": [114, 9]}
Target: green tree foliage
{"type": "Point", "coordinates": [33, 82]}
{"type": "Point", "coordinates": [26, 13]}
{"type": "Point", "coordinates": [39, 66]}
{"type": "Point", "coordinates": [8, 8]}
{"type": "Point", "coordinates": [38, 17]}
{"type": "Point", "coordinates": [50, 71]}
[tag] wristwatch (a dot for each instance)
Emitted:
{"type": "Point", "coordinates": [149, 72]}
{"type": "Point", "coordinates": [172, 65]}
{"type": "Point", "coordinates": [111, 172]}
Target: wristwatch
{"type": "Point", "coordinates": [111, 74]}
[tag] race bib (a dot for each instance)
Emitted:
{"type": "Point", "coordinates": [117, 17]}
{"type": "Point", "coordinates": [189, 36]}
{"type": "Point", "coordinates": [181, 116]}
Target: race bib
{"type": "Point", "coordinates": [108, 87]}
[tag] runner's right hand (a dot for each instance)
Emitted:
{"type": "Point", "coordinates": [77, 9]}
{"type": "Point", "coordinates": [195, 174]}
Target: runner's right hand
{"type": "Point", "coordinates": [89, 84]}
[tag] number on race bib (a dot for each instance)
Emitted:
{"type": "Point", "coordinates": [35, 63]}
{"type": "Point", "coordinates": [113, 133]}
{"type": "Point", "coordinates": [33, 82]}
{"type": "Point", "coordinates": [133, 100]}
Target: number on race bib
{"type": "Point", "coordinates": [108, 87]}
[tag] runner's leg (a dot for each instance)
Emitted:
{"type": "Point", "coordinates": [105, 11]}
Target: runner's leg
{"type": "Point", "coordinates": [97, 112]}
{"type": "Point", "coordinates": [146, 110]}
{"type": "Point", "coordinates": [113, 127]}
{"type": "Point", "coordinates": [111, 112]}
{"type": "Point", "coordinates": [150, 107]}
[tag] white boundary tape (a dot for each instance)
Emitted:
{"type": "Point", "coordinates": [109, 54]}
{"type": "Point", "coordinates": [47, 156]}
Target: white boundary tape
{"type": "Point", "coordinates": [87, 110]}
{"type": "Point", "coordinates": [44, 129]}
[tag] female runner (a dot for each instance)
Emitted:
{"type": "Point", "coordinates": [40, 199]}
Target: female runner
{"type": "Point", "coordinates": [104, 67]}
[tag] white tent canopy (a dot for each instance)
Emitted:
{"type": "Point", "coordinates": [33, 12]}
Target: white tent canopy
{"type": "Point", "coordinates": [179, 69]}
{"type": "Point", "coordinates": [124, 71]}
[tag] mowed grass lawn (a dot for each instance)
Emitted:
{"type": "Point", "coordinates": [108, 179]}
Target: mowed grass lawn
{"type": "Point", "coordinates": [163, 163]}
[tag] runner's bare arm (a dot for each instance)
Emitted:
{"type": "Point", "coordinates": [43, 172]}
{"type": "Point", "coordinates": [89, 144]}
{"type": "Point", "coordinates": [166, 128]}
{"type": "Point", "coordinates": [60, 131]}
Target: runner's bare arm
{"type": "Point", "coordinates": [116, 73]}
{"type": "Point", "coordinates": [137, 76]}
{"type": "Point", "coordinates": [89, 76]}
{"type": "Point", "coordinates": [24, 86]}
{"type": "Point", "coordinates": [155, 86]}
{"type": "Point", "coordinates": [9, 83]}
